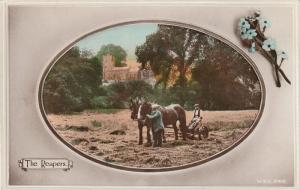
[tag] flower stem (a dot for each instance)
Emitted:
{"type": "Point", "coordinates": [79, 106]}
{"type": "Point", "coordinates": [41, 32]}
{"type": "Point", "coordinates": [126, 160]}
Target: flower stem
{"type": "Point", "coordinates": [272, 57]}
{"type": "Point", "coordinates": [275, 66]}
{"type": "Point", "coordinates": [278, 83]}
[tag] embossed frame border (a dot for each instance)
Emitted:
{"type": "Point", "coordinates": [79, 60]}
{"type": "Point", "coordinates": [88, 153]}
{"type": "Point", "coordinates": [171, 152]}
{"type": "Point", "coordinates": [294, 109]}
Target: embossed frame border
{"type": "Point", "coordinates": [4, 158]}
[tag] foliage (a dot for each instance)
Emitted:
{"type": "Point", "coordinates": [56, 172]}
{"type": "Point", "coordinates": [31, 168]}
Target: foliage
{"type": "Point", "coordinates": [120, 93]}
{"type": "Point", "coordinates": [190, 67]}
{"type": "Point", "coordinates": [221, 77]}
{"type": "Point", "coordinates": [227, 80]}
{"type": "Point", "coordinates": [72, 82]}
{"type": "Point", "coordinates": [170, 52]}
{"type": "Point", "coordinates": [117, 51]}
{"type": "Point", "coordinates": [176, 94]}
{"type": "Point", "coordinates": [170, 47]}
{"type": "Point", "coordinates": [100, 102]}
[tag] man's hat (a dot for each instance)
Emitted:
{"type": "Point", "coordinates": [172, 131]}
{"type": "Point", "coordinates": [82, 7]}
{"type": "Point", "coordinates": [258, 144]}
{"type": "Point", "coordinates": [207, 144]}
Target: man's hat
{"type": "Point", "coordinates": [155, 107]}
{"type": "Point", "coordinates": [196, 105]}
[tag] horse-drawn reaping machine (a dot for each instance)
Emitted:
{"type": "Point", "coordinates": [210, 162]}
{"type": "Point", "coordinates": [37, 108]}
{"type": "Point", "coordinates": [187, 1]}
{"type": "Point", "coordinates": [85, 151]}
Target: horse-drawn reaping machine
{"type": "Point", "coordinates": [198, 128]}
{"type": "Point", "coordinates": [171, 114]}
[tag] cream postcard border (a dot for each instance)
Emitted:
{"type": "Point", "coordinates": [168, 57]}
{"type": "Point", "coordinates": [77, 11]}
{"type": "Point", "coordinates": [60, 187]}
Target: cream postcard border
{"type": "Point", "coordinates": [5, 84]}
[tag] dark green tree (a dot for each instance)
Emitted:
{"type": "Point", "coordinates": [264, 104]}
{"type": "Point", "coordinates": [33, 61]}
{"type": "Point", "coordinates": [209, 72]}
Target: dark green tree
{"type": "Point", "coordinates": [121, 93]}
{"type": "Point", "coordinates": [72, 82]}
{"type": "Point", "coordinates": [117, 51]}
{"type": "Point", "coordinates": [221, 77]}
{"type": "Point", "coordinates": [227, 80]}
{"type": "Point", "coordinates": [171, 46]}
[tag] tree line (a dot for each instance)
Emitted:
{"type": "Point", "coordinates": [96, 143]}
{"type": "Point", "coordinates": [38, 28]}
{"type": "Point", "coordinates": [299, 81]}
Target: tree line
{"type": "Point", "coordinates": [203, 69]}
{"type": "Point", "coordinates": [74, 83]}
{"type": "Point", "coordinates": [189, 66]}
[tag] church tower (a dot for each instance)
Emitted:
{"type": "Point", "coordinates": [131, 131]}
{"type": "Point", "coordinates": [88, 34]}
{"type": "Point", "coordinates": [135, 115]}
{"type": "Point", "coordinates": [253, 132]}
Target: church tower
{"type": "Point", "coordinates": [108, 64]}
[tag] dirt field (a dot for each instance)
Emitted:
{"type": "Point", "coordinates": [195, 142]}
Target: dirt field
{"type": "Point", "coordinates": [114, 137]}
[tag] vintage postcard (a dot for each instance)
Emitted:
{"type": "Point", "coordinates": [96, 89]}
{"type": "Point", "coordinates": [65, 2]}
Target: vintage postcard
{"type": "Point", "coordinates": [179, 94]}
{"type": "Point", "coordinates": [194, 95]}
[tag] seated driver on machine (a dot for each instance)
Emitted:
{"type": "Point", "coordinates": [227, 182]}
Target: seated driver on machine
{"type": "Point", "coordinates": [196, 118]}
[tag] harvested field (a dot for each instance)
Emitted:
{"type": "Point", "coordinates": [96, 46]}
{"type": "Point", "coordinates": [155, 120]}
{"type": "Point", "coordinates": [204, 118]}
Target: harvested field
{"type": "Point", "coordinates": [113, 137]}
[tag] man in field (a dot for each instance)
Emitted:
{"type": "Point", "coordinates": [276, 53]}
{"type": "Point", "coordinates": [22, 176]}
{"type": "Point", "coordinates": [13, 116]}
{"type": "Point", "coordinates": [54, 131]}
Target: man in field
{"type": "Point", "coordinates": [157, 126]}
{"type": "Point", "coordinates": [196, 119]}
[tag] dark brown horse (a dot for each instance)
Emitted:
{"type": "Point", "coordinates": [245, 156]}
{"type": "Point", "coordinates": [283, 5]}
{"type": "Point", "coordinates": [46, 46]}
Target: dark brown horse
{"type": "Point", "coordinates": [170, 115]}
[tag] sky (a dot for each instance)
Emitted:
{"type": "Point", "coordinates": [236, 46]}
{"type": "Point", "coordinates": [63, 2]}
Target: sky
{"type": "Point", "coordinates": [126, 36]}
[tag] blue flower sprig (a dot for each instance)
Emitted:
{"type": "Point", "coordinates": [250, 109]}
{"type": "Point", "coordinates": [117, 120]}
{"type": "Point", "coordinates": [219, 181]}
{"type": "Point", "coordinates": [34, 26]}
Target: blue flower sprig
{"type": "Point", "coordinates": [252, 30]}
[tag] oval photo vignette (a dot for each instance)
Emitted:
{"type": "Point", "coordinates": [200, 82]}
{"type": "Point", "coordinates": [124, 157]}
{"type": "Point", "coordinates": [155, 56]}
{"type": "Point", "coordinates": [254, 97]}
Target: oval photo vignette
{"type": "Point", "coordinates": [151, 96]}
